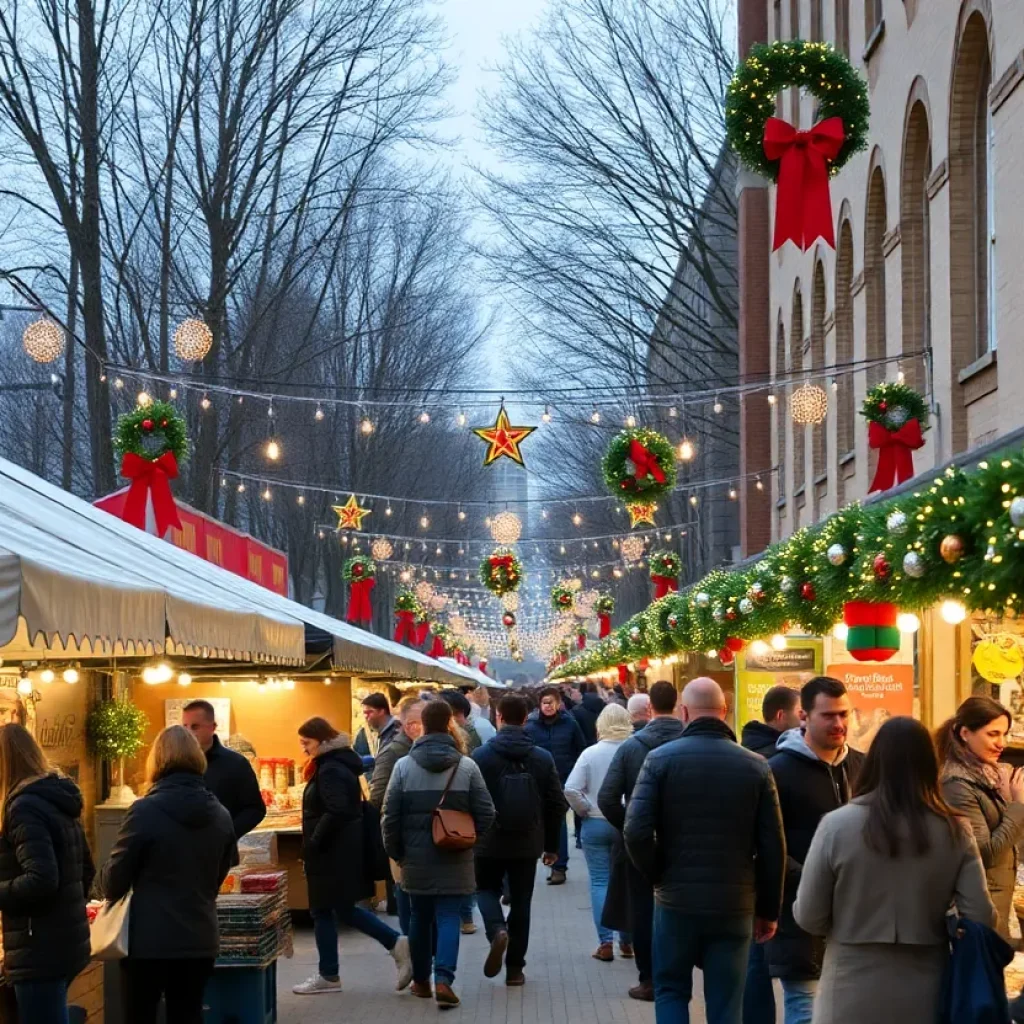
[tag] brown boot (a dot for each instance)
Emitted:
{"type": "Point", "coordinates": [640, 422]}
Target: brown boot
{"type": "Point", "coordinates": [605, 953]}
{"type": "Point", "coordinates": [644, 992]}
{"type": "Point", "coordinates": [422, 990]}
{"type": "Point", "coordinates": [445, 997]}
{"type": "Point", "coordinates": [626, 950]}
{"type": "Point", "coordinates": [514, 978]}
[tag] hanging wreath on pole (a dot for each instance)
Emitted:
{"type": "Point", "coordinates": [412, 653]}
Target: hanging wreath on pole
{"type": "Point", "coordinates": [360, 575]}
{"type": "Point", "coordinates": [640, 466]}
{"type": "Point", "coordinates": [665, 569]}
{"type": "Point", "coordinates": [799, 162]}
{"type": "Point", "coordinates": [501, 572]}
{"type": "Point", "coordinates": [897, 417]}
{"type": "Point", "coordinates": [563, 598]}
{"type": "Point", "coordinates": [152, 443]}
{"type": "Point", "coordinates": [605, 608]}
{"type": "Point", "coordinates": [407, 607]}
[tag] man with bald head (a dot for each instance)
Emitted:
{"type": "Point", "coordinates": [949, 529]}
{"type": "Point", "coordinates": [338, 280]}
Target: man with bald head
{"type": "Point", "coordinates": [704, 826]}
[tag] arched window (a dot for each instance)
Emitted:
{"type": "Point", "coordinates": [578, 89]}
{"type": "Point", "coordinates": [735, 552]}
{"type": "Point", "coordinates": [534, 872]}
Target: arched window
{"type": "Point", "coordinates": [843, 26]}
{"type": "Point", "coordinates": [874, 275]}
{"type": "Point", "coordinates": [845, 415]}
{"type": "Point", "coordinates": [780, 407]}
{"type": "Point", "coordinates": [819, 433]}
{"type": "Point", "coordinates": [796, 363]}
{"type": "Point", "coordinates": [916, 245]}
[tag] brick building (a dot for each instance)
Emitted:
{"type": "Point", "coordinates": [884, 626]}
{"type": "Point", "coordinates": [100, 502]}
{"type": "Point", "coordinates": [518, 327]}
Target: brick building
{"type": "Point", "coordinates": [928, 235]}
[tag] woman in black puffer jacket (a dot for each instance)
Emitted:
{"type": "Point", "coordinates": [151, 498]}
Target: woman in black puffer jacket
{"type": "Point", "coordinates": [45, 875]}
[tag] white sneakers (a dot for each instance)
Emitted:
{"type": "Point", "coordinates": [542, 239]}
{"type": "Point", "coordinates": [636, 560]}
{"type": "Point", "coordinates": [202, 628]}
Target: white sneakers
{"type": "Point", "coordinates": [318, 986]}
{"type": "Point", "coordinates": [403, 961]}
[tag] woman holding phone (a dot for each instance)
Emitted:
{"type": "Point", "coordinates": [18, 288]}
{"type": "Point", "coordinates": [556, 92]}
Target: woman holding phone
{"type": "Point", "coordinates": [990, 795]}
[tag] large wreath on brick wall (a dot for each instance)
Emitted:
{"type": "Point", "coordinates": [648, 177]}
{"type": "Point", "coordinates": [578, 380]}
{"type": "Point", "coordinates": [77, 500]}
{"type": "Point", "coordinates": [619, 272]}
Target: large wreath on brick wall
{"type": "Point", "coordinates": [799, 162]}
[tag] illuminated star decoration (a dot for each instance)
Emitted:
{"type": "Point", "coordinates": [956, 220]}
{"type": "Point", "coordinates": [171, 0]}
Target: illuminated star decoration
{"type": "Point", "coordinates": [503, 439]}
{"type": "Point", "coordinates": [351, 514]}
{"type": "Point", "coordinates": [641, 512]}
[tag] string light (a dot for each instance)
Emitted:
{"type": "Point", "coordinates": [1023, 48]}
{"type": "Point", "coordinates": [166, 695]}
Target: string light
{"type": "Point", "coordinates": [241, 488]}
{"type": "Point", "coordinates": [205, 402]}
{"type": "Point", "coordinates": [595, 417]}
{"type": "Point", "coordinates": [462, 419]}
{"type": "Point", "coordinates": [462, 516]}
{"type": "Point", "coordinates": [732, 494]}
{"type": "Point", "coordinates": [143, 400]}
{"type": "Point", "coordinates": [717, 407]}
{"type": "Point", "coordinates": [424, 522]}
{"type": "Point", "coordinates": [267, 495]}
{"type": "Point", "coordinates": [686, 450]}
{"type": "Point", "coordinates": [366, 426]}
{"type": "Point", "coordinates": [545, 415]}
{"type": "Point", "coordinates": [173, 393]}
{"type": "Point", "coordinates": [424, 416]}
{"type": "Point", "coordinates": [631, 421]}
{"type": "Point", "coordinates": [387, 510]}
{"type": "Point", "coordinates": [301, 499]}
{"type": "Point", "coordinates": [577, 519]}
{"type": "Point", "coordinates": [273, 450]}
{"type": "Point", "coordinates": [771, 399]}
{"type": "Point", "coordinates": [70, 675]}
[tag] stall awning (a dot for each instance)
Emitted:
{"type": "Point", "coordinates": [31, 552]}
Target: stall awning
{"type": "Point", "coordinates": [472, 674]}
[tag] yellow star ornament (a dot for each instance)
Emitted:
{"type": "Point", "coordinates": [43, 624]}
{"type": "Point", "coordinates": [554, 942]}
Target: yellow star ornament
{"type": "Point", "coordinates": [503, 439]}
{"type": "Point", "coordinates": [351, 515]}
{"type": "Point", "coordinates": [641, 512]}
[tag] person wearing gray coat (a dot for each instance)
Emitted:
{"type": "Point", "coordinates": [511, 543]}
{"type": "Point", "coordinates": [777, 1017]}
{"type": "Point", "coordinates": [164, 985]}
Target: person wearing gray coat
{"type": "Point", "coordinates": [878, 882]}
{"type": "Point", "coordinates": [436, 880]}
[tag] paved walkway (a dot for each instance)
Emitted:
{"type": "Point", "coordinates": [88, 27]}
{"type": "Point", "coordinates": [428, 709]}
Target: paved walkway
{"type": "Point", "coordinates": [564, 984]}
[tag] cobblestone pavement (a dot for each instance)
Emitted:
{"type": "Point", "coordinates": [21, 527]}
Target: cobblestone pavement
{"type": "Point", "coordinates": [564, 985]}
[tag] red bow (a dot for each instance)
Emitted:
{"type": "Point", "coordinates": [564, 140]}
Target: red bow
{"type": "Point", "coordinates": [604, 625]}
{"type": "Point", "coordinates": [150, 478]}
{"type": "Point", "coordinates": [422, 628]}
{"type": "Point", "coordinates": [623, 674]}
{"type": "Point", "coordinates": [504, 561]}
{"type": "Point", "coordinates": [482, 664]}
{"type": "Point", "coordinates": [437, 647]}
{"type": "Point", "coordinates": [405, 630]}
{"type": "Point", "coordinates": [645, 462]}
{"type": "Point", "coordinates": [581, 641]}
{"type": "Point", "coordinates": [803, 206]}
{"type": "Point", "coordinates": [895, 463]}
{"type": "Point", "coordinates": [359, 607]}
{"type": "Point", "coordinates": [664, 585]}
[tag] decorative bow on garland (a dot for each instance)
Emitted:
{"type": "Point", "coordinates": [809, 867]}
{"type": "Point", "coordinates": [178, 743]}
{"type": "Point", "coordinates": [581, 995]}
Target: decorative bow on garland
{"type": "Point", "coordinates": [437, 648]}
{"type": "Point", "coordinates": [150, 480]}
{"type": "Point", "coordinates": [803, 205]}
{"type": "Point", "coordinates": [405, 629]}
{"type": "Point", "coordinates": [895, 462]}
{"type": "Point", "coordinates": [422, 629]}
{"type": "Point", "coordinates": [645, 463]}
{"type": "Point", "coordinates": [359, 573]}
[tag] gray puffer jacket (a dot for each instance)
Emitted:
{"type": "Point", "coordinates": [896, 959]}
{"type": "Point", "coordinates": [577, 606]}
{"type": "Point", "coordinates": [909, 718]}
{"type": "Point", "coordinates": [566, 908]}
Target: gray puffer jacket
{"type": "Point", "coordinates": [413, 793]}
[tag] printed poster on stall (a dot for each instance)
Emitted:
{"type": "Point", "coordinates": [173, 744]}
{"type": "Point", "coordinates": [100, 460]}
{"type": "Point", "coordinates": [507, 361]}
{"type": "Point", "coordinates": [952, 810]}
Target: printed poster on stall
{"type": "Point", "coordinates": [173, 707]}
{"type": "Point", "coordinates": [756, 674]}
{"type": "Point", "coordinates": [878, 692]}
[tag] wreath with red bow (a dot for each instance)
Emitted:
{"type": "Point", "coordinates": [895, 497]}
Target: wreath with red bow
{"type": "Point", "coordinates": [563, 598]}
{"type": "Point", "coordinates": [639, 465]}
{"type": "Point", "coordinates": [357, 569]}
{"type": "Point", "coordinates": [501, 572]}
{"type": "Point", "coordinates": [151, 431]}
{"type": "Point", "coordinates": [897, 418]}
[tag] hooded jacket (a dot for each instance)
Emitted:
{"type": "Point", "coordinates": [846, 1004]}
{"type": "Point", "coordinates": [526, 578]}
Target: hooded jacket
{"type": "Point", "coordinates": [808, 789]}
{"type": "Point", "coordinates": [332, 828]}
{"type": "Point", "coordinates": [586, 714]}
{"type": "Point", "coordinates": [617, 788]}
{"type": "Point", "coordinates": [560, 735]}
{"type": "Point", "coordinates": [45, 875]}
{"type": "Point", "coordinates": [760, 738]}
{"type": "Point", "coordinates": [510, 748]}
{"type": "Point", "coordinates": [415, 789]}
{"type": "Point", "coordinates": [384, 765]}
{"type": "Point", "coordinates": [174, 850]}
{"type": "Point", "coordinates": [230, 778]}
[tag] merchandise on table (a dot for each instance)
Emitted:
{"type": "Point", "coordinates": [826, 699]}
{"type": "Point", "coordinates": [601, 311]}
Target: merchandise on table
{"type": "Point", "coordinates": [255, 926]}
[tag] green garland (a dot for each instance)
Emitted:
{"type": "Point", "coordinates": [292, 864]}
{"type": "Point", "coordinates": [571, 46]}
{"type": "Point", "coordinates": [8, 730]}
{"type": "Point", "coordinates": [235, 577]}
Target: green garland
{"type": "Point", "coordinates": [666, 563]}
{"type": "Point", "coordinates": [407, 601]}
{"type": "Point", "coordinates": [563, 598]}
{"type": "Point", "coordinates": [501, 571]}
{"type": "Point", "coordinates": [621, 479]}
{"type": "Point", "coordinates": [892, 404]}
{"type": "Point", "coordinates": [825, 73]}
{"type": "Point", "coordinates": [605, 605]}
{"type": "Point", "coordinates": [959, 537]}
{"type": "Point", "coordinates": [115, 729]}
{"type": "Point", "coordinates": [158, 423]}
{"type": "Point", "coordinates": [359, 568]}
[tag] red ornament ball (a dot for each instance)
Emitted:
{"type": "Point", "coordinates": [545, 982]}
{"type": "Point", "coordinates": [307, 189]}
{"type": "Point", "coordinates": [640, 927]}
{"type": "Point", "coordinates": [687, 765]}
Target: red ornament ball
{"type": "Point", "coordinates": [147, 425]}
{"type": "Point", "coordinates": [730, 614]}
{"type": "Point", "coordinates": [357, 570]}
{"type": "Point", "coordinates": [883, 405]}
{"type": "Point", "coordinates": [807, 592]}
{"type": "Point", "coordinates": [734, 644]}
{"type": "Point", "coordinates": [163, 423]}
{"type": "Point", "coordinates": [881, 567]}
{"type": "Point", "coordinates": [725, 656]}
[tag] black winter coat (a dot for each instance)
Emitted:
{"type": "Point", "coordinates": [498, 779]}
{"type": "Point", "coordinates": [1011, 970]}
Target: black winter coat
{"type": "Point", "coordinates": [230, 778]}
{"type": "Point", "coordinates": [510, 748]}
{"type": "Point", "coordinates": [586, 714]}
{"type": "Point", "coordinates": [46, 872]}
{"type": "Point", "coordinates": [617, 788]}
{"type": "Point", "coordinates": [808, 789]}
{"type": "Point", "coordinates": [560, 736]}
{"type": "Point", "coordinates": [704, 826]}
{"type": "Point", "coordinates": [760, 738]}
{"type": "Point", "coordinates": [174, 850]}
{"type": "Point", "coordinates": [332, 830]}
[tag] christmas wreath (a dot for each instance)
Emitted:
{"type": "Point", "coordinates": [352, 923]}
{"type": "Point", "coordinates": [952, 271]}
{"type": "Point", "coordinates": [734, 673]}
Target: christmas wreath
{"type": "Point", "coordinates": [407, 601]}
{"type": "Point", "coordinates": [501, 572]}
{"type": "Point", "coordinates": [152, 431]}
{"type": "Point", "coordinates": [563, 598]}
{"type": "Point", "coordinates": [359, 573]}
{"type": "Point", "coordinates": [357, 569]}
{"type": "Point", "coordinates": [639, 465]}
{"type": "Point", "coordinates": [800, 162]}
{"type": "Point", "coordinates": [897, 417]}
{"type": "Point", "coordinates": [605, 608]}
{"type": "Point", "coordinates": [407, 608]}
{"type": "Point", "coordinates": [665, 569]}
{"type": "Point", "coordinates": [442, 639]}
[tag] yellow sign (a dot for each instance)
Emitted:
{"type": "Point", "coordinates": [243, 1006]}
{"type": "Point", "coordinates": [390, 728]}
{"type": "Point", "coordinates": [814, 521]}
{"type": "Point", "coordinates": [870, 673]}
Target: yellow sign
{"type": "Point", "coordinates": [756, 674]}
{"type": "Point", "coordinates": [999, 658]}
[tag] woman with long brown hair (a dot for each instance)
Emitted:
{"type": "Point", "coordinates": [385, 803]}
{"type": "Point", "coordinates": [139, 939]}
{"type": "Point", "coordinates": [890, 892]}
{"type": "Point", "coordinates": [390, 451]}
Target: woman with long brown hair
{"type": "Point", "coordinates": [45, 875]}
{"type": "Point", "coordinates": [990, 795]}
{"type": "Point", "coordinates": [175, 848]}
{"type": "Point", "coordinates": [877, 883]}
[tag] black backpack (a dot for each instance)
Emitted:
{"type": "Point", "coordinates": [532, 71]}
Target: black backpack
{"type": "Point", "coordinates": [518, 802]}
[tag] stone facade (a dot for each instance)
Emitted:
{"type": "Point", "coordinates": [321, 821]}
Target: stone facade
{"type": "Point", "coordinates": [923, 280]}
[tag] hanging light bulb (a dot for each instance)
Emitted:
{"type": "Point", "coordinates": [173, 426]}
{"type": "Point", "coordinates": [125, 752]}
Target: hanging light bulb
{"type": "Point", "coordinates": [241, 487]}
{"type": "Point", "coordinates": [546, 415]}
{"type": "Point", "coordinates": [732, 494]}
{"type": "Point", "coordinates": [686, 450]}
{"type": "Point", "coordinates": [387, 510]}
{"type": "Point", "coordinates": [424, 416]}
{"type": "Point", "coordinates": [266, 494]}
{"type": "Point", "coordinates": [462, 419]}
{"type": "Point", "coordinates": [595, 417]}
{"type": "Point", "coordinates": [273, 450]}
{"type": "Point", "coordinates": [952, 612]}
{"type": "Point", "coordinates": [319, 414]}
{"type": "Point", "coordinates": [577, 519]}
{"type": "Point", "coordinates": [184, 679]}
{"type": "Point", "coordinates": [143, 399]}
{"type": "Point", "coordinates": [70, 674]}
{"type": "Point", "coordinates": [693, 500]}
{"type": "Point", "coordinates": [205, 402]}
{"type": "Point", "coordinates": [301, 499]}
{"type": "Point", "coordinates": [673, 413]}
{"type": "Point", "coordinates": [841, 631]}
{"type": "Point", "coordinates": [25, 685]}
{"type": "Point", "coordinates": [907, 622]}
{"type": "Point", "coordinates": [717, 407]}
{"type": "Point", "coordinates": [424, 522]}
{"type": "Point", "coordinates": [462, 516]}
{"type": "Point", "coordinates": [366, 426]}
{"type": "Point", "coordinates": [47, 675]}
{"type": "Point", "coordinates": [771, 399]}
{"type": "Point", "coordinates": [630, 421]}
{"type": "Point", "coordinates": [173, 393]}
{"type": "Point", "coordinates": [543, 513]}
{"type": "Point", "coordinates": [778, 642]}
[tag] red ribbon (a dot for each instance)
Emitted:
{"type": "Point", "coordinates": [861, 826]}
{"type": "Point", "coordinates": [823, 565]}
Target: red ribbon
{"type": "Point", "coordinates": [581, 641]}
{"type": "Point", "coordinates": [482, 664]}
{"type": "Point", "coordinates": [150, 478]}
{"type": "Point", "coordinates": [405, 630]}
{"type": "Point", "coordinates": [604, 625]}
{"type": "Point", "coordinates": [505, 561]}
{"type": "Point", "coordinates": [623, 674]}
{"type": "Point", "coordinates": [437, 647]}
{"type": "Point", "coordinates": [645, 462]}
{"type": "Point", "coordinates": [664, 585]}
{"type": "Point", "coordinates": [359, 607]}
{"type": "Point", "coordinates": [803, 206]}
{"type": "Point", "coordinates": [420, 635]}
{"type": "Point", "coordinates": [895, 463]}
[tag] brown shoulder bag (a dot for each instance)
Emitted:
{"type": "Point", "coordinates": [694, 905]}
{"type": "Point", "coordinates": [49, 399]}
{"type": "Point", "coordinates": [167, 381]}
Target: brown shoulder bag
{"type": "Point", "coordinates": [452, 830]}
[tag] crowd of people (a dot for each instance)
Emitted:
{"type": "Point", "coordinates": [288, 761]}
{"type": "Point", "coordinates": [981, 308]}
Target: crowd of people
{"type": "Point", "coordinates": [787, 856]}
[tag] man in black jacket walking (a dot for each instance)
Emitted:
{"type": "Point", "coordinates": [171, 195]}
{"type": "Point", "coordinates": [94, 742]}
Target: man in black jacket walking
{"type": "Point", "coordinates": [814, 770]}
{"type": "Point", "coordinates": [588, 711]}
{"type": "Point", "coordinates": [229, 776]}
{"type": "Point", "coordinates": [613, 799]}
{"type": "Point", "coordinates": [527, 794]}
{"type": "Point", "coordinates": [704, 828]}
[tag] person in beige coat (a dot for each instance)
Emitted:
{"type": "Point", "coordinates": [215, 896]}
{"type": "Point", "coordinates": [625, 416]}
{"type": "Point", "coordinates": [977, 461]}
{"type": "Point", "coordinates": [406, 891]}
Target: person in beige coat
{"type": "Point", "coordinates": [990, 795]}
{"type": "Point", "coordinates": [878, 881]}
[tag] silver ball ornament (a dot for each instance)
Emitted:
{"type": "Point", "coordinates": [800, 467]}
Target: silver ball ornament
{"type": "Point", "coordinates": [1017, 511]}
{"type": "Point", "coordinates": [896, 523]}
{"type": "Point", "coordinates": [786, 584]}
{"type": "Point", "coordinates": [746, 606]}
{"type": "Point", "coordinates": [634, 634]}
{"type": "Point", "coordinates": [702, 600]}
{"type": "Point", "coordinates": [836, 554]}
{"type": "Point", "coordinates": [913, 565]}
{"type": "Point", "coordinates": [756, 591]}
{"type": "Point", "coordinates": [718, 614]}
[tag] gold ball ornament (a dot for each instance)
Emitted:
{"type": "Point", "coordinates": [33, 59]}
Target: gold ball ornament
{"type": "Point", "coordinates": [506, 528]}
{"type": "Point", "coordinates": [952, 548]}
{"type": "Point", "coordinates": [193, 340]}
{"type": "Point", "coordinates": [43, 341]}
{"type": "Point", "coordinates": [809, 405]}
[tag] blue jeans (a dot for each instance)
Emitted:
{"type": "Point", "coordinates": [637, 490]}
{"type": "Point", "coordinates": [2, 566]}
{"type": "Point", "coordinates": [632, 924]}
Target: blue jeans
{"type": "Point", "coordinates": [563, 848]}
{"type": "Point", "coordinates": [681, 942]}
{"type": "Point", "coordinates": [404, 908]}
{"type": "Point", "coordinates": [466, 908]}
{"type": "Point", "coordinates": [42, 1002]}
{"type": "Point", "coordinates": [598, 838]}
{"type": "Point", "coordinates": [325, 933]}
{"type": "Point", "coordinates": [428, 911]}
{"type": "Point", "coordinates": [798, 999]}
{"type": "Point", "coordinates": [758, 994]}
